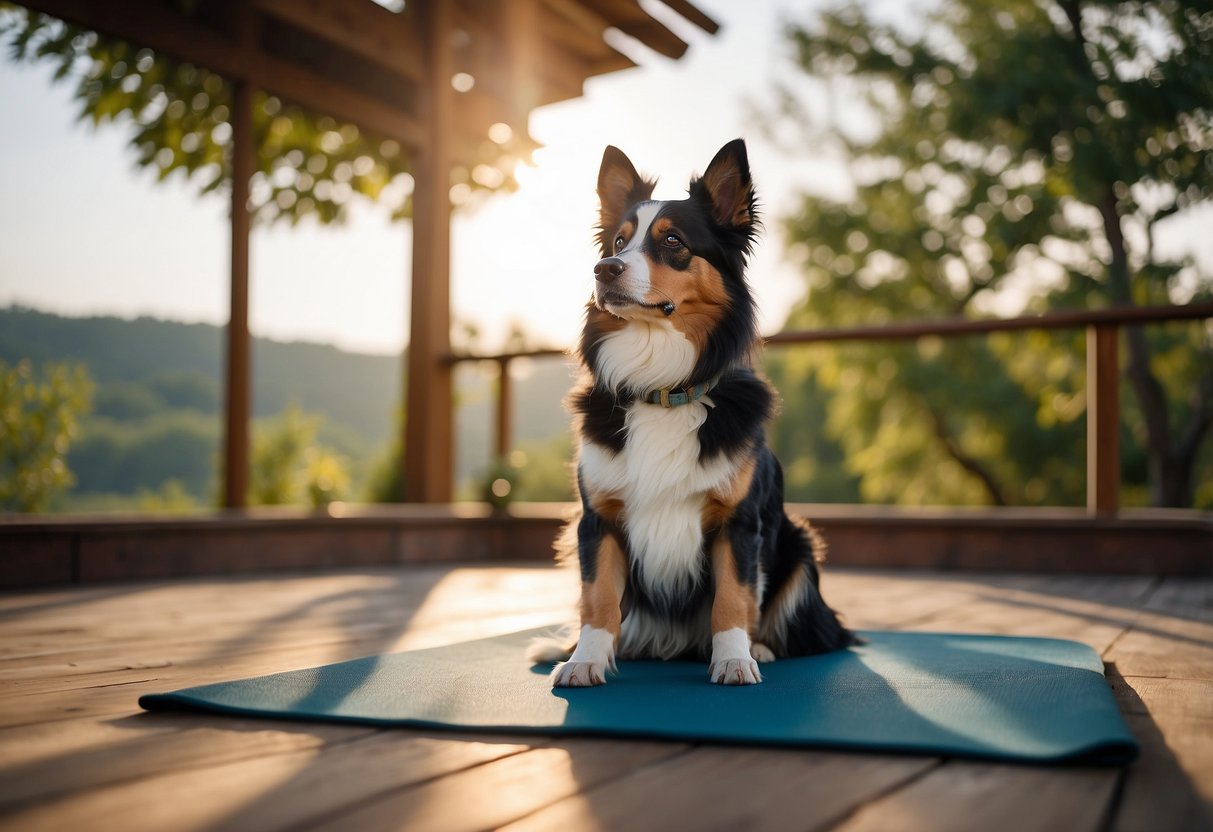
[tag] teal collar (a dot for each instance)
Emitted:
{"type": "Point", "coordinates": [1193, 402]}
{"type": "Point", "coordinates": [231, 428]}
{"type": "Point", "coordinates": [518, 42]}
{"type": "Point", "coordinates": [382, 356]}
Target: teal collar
{"type": "Point", "coordinates": [675, 398]}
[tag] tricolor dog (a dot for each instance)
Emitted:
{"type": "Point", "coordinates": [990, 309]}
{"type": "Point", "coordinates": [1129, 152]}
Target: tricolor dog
{"type": "Point", "coordinates": [683, 543]}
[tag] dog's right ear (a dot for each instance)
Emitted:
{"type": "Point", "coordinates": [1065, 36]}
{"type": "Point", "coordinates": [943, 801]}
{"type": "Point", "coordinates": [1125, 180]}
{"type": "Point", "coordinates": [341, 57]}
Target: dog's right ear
{"type": "Point", "coordinates": [619, 188]}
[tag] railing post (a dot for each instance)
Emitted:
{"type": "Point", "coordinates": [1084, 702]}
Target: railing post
{"type": "Point", "coordinates": [1103, 419]}
{"type": "Point", "coordinates": [505, 407]}
{"type": "Point", "coordinates": [238, 378]}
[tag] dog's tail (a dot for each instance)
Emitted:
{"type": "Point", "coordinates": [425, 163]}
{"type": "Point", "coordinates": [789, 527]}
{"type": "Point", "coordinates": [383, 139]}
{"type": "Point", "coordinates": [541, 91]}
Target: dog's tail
{"type": "Point", "coordinates": [552, 647]}
{"type": "Point", "coordinates": [810, 626]}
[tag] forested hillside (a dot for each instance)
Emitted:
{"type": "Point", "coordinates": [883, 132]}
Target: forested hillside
{"type": "Point", "coordinates": [154, 429]}
{"type": "Point", "coordinates": [147, 362]}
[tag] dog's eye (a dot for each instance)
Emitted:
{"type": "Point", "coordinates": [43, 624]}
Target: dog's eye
{"type": "Point", "coordinates": [619, 242]}
{"type": "Point", "coordinates": [673, 241]}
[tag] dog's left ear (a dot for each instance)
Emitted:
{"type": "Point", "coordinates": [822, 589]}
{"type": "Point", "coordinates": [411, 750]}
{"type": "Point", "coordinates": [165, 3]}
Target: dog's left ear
{"type": "Point", "coordinates": [727, 187]}
{"type": "Point", "coordinates": [619, 188]}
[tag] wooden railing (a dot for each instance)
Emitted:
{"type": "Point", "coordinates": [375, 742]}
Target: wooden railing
{"type": "Point", "coordinates": [1103, 372]}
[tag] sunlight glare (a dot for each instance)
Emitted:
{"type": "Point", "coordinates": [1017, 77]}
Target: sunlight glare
{"type": "Point", "coordinates": [454, 609]}
{"type": "Point", "coordinates": [500, 133]}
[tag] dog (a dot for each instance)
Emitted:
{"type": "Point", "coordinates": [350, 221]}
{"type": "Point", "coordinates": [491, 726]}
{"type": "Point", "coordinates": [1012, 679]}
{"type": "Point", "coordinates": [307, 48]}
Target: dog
{"type": "Point", "coordinates": [683, 544]}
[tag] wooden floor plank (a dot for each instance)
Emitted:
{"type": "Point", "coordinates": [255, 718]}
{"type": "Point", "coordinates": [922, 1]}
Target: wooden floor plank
{"type": "Point", "coordinates": [492, 795]}
{"type": "Point", "coordinates": [1162, 672]}
{"type": "Point", "coordinates": [1168, 788]}
{"type": "Point", "coordinates": [149, 746]}
{"type": "Point", "coordinates": [1165, 649]}
{"type": "Point", "coordinates": [732, 788]}
{"type": "Point", "coordinates": [230, 615]}
{"type": "Point", "coordinates": [1095, 611]}
{"type": "Point", "coordinates": [890, 600]}
{"type": "Point", "coordinates": [969, 796]}
{"type": "Point", "coordinates": [267, 791]}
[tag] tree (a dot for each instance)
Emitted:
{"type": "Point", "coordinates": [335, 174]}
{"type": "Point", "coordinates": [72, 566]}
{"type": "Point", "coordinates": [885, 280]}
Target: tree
{"type": "Point", "coordinates": [279, 449]}
{"type": "Point", "coordinates": [1024, 156]}
{"type": "Point", "coordinates": [38, 420]}
{"type": "Point", "coordinates": [308, 164]}
{"type": "Point", "coordinates": [289, 466]}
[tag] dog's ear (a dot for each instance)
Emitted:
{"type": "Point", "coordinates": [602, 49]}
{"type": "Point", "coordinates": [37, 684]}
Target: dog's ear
{"type": "Point", "coordinates": [727, 188]}
{"type": "Point", "coordinates": [619, 188]}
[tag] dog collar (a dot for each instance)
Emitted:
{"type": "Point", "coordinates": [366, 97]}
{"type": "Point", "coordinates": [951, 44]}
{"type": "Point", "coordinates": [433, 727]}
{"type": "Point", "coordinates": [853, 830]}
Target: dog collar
{"type": "Point", "coordinates": [675, 398]}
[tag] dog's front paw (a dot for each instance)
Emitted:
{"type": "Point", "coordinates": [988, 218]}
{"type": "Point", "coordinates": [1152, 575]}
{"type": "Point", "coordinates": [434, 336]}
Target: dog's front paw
{"type": "Point", "coordinates": [573, 674]}
{"type": "Point", "coordinates": [731, 662]}
{"type": "Point", "coordinates": [735, 672]}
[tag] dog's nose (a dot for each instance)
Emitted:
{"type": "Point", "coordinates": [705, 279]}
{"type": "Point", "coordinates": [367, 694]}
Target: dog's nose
{"type": "Point", "coordinates": [609, 268]}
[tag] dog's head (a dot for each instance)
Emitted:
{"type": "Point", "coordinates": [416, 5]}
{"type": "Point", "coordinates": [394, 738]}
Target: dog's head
{"type": "Point", "coordinates": [679, 264]}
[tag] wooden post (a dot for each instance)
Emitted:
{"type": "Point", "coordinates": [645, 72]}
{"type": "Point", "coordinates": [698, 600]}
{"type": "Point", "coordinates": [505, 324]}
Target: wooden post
{"type": "Point", "coordinates": [505, 408]}
{"type": "Point", "coordinates": [239, 376]}
{"type": "Point", "coordinates": [520, 22]}
{"type": "Point", "coordinates": [1103, 419]}
{"type": "Point", "coordinates": [429, 423]}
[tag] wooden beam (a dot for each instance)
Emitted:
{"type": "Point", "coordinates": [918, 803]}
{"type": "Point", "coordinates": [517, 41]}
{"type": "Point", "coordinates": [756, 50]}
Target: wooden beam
{"type": "Point", "coordinates": [558, 27]}
{"type": "Point", "coordinates": [238, 407]}
{"type": "Point", "coordinates": [629, 17]}
{"type": "Point", "coordinates": [429, 423]}
{"type": "Point", "coordinates": [157, 27]}
{"type": "Point", "coordinates": [590, 22]}
{"type": "Point", "coordinates": [1103, 419]}
{"type": "Point", "coordinates": [363, 28]}
{"type": "Point", "coordinates": [694, 15]}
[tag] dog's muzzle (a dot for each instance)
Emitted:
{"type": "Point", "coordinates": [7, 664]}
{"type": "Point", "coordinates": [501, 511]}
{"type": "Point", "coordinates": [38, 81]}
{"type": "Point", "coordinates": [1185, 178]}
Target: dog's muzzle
{"type": "Point", "coordinates": [609, 268]}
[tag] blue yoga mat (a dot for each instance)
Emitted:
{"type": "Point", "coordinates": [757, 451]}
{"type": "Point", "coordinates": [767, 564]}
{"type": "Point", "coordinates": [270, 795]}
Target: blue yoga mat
{"type": "Point", "coordinates": [992, 697]}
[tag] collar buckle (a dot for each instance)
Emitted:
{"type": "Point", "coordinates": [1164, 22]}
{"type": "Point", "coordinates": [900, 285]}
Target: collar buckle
{"type": "Point", "coordinates": [668, 398]}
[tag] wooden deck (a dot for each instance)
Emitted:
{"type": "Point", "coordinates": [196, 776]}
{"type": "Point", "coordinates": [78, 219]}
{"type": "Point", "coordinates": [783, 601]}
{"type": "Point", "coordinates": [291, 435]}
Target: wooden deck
{"type": "Point", "coordinates": [76, 752]}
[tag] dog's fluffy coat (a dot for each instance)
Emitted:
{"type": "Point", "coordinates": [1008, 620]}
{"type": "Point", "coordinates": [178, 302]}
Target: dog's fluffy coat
{"type": "Point", "coordinates": [682, 540]}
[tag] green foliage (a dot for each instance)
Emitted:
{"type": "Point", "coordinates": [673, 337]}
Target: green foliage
{"type": "Point", "coordinates": [39, 416]}
{"type": "Point", "coordinates": [277, 456]}
{"type": "Point", "coordinates": [126, 400]}
{"type": "Point", "coordinates": [1021, 160]}
{"type": "Point", "coordinates": [814, 464]}
{"type": "Point", "coordinates": [537, 471]}
{"type": "Point", "coordinates": [544, 469]}
{"type": "Point", "coordinates": [157, 413]}
{"type": "Point", "coordinates": [288, 466]}
{"type": "Point", "coordinates": [307, 164]}
{"type": "Point", "coordinates": [130, 400]}
{"type": "Point", "coordinates": [133, 455]}
{"type": "Point", "coordinates": [186, 390]}
{"type": "Point", "coordinates": [326, 476]}
{"type": "Point", "coordinates": [171, 498]}
{"type": "Point", "coordinates": [386, 481]}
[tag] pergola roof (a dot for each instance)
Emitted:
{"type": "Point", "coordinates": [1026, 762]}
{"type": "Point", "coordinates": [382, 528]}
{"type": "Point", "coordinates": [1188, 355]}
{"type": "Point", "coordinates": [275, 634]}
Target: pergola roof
{"type": "Point", "coordinates": [438, 76]}
{"type": "Point", "coordinates": [359, 61]}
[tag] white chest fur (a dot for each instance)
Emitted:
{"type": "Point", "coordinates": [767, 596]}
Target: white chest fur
{"type": "Point", "coordinates": [662, 483]}
{"type": "Point", "coordinates": [645, 355]}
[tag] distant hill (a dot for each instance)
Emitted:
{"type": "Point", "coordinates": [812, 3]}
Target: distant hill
{"type": "Point", "coordinates": [159, 393]}
{"type": "Point", "coordinates": [357, 391]}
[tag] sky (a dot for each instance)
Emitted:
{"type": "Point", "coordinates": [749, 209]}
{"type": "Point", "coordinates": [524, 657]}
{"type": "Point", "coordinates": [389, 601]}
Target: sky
{"type": "Point", "coordinates": [83, 231]}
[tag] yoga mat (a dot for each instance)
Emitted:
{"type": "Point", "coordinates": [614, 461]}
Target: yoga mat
{"type": "Point", "coordinates": [991, 697]}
